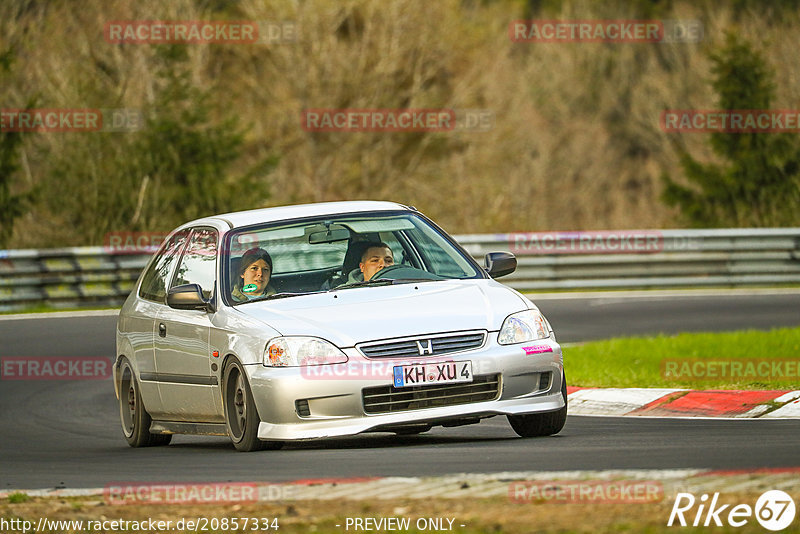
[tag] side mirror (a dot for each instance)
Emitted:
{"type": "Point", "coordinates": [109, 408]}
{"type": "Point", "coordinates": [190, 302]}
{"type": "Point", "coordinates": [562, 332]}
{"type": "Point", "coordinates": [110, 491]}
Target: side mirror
{"type": "Point", "coordinates": [499, 264]}
{"type": "Point", "coordinates": [188, 297]}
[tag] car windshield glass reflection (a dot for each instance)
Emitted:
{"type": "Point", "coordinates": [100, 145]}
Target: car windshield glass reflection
{"type": "Point", "coordinates": [339, 252]}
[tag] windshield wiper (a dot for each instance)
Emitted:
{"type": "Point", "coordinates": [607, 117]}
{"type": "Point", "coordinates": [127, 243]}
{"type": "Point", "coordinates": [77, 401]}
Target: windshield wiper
{"type": "Point", "coordinates": [373, 282]}
{"type": "Point", "coordinates": [384, 282]}
{"type": "Point", "coordinates": [282, 295]}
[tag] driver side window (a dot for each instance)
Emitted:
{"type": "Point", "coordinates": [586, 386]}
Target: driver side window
{"type": "Point", "coordinates": [155, 280]}
{"type": "Point", "coordinates": [198, 264]}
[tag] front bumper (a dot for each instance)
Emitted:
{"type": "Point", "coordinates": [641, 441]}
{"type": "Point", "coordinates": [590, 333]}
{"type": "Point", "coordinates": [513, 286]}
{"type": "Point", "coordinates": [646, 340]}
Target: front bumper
{"type": "Point", "coordinates": [331, 395]}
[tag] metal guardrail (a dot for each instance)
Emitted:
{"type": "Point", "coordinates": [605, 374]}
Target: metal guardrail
{"type": "Point", "coordinates": [624, 259]}
{"type": "Point", "coordinates": [67, 277]}
{"type": "Point", "coordinates": [652, 258]}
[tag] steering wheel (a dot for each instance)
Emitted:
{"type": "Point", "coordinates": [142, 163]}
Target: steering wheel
{"type": "Point", "coordinates": [387, 269]}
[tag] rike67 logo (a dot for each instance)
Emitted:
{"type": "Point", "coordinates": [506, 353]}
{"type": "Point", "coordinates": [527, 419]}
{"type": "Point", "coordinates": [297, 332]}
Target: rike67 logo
{"type": "Point", "coordinates": [774, 510]}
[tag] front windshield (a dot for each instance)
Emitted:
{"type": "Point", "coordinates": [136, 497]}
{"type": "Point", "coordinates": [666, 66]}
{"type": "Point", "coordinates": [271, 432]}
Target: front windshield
{"type": "Point", "coordinates": [339, 252]}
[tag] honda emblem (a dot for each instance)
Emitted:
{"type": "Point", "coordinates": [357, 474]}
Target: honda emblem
{"type": "Point", "coordinates": [425, 349]}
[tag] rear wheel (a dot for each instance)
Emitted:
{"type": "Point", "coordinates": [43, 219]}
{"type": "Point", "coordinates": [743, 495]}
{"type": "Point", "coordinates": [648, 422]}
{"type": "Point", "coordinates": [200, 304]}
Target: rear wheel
{"type": "Point", "coordinates": [135, 419]}
{"type": "Point", "coordinates": [541, 424]}
{"type": "Point", "coordinates": [241, 416]}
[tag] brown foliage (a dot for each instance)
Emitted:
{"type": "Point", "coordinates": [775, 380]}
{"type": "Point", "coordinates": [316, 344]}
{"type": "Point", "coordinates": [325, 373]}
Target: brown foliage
{"type": "Point", "coordinates": [576, 142]}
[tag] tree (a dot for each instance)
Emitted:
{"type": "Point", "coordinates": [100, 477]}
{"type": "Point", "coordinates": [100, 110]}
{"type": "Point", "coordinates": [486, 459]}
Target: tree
{"type": "Point", "coordinates": [176, 168]}
{"type": "Point", "coordinates": [12, 206]}
{"type": "Point", "coordinates": [760, 184]}
{"type": "Point", "coordinates": [187, 156]}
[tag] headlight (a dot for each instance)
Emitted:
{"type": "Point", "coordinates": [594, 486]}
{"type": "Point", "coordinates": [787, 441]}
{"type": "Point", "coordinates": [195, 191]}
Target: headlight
{"type": "Point", "coordinates": [528, 325]}
{"type": "Point", "coordinates": [299, 351]}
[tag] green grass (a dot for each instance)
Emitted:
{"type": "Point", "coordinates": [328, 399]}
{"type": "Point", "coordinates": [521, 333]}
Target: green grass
{"type": "Point", "coordinates": [641, 362]}
{"type": "Point", "coordinates": [18, 497]}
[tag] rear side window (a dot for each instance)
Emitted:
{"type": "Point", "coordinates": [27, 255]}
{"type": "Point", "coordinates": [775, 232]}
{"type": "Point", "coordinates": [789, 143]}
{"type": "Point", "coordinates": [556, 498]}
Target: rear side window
{"type": "Point", "coordinates": [154, 283]}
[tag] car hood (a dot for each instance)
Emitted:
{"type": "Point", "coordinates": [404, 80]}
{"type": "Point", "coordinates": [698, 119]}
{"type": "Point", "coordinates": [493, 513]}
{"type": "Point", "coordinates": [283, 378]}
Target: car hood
{"type": "Point", "coordinates": [350, 316]}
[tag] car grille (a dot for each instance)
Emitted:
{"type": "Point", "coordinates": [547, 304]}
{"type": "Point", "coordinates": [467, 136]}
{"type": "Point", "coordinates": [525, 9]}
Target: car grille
{"type": "Point", "coordinates": [389, 399]}
{"type": "Point", "coordinates": [410, 347]}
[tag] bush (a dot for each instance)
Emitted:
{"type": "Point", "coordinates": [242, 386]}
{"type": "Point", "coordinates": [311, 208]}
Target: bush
{"type": "Point", "coordinates": [18, 497]}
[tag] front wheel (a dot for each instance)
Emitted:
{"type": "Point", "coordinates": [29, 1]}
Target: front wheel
{"type": "Point", "coordinates": [135, 419]}
{"type": "Point", "coordinates": [541, 424]}
{"type": "Point", "coordinates": [241, 416]}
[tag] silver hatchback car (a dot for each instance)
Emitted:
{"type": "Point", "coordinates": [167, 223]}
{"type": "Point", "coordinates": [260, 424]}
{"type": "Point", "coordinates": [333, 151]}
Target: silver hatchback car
{"type": "Point", "coordinates": [329, 319]}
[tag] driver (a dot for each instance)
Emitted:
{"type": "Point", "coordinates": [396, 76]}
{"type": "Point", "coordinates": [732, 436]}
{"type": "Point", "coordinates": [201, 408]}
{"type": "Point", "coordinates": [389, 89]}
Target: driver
{"type": "Point", "coordinates": [375, 257]}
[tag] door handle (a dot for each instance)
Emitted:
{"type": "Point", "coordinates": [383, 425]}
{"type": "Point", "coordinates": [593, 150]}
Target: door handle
{"type": "Point", "coordinates": [162, 330]}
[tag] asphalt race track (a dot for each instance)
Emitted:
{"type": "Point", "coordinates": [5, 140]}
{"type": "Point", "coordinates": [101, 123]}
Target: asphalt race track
{"type": "Point", "coordinates": [66, 433]}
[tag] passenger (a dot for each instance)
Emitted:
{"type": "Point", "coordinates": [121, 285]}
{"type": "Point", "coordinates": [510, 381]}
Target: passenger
{"type": "Point", "coordinates": [375, 257]}
{"type": "Point", "coordinates": [255, 270]}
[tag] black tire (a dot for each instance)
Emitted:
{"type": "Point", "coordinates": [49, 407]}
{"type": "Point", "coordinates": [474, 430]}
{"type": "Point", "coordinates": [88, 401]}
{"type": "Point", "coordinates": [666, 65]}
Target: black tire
{"type": "Point", "coordinates": [135, 419]}
{"type": "Point", "coordinates": [241, 415]}
{"type": "Point", "coordinates": [541, 424]}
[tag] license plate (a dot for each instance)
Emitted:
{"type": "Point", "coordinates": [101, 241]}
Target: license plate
{"type": "Point", "coordinates": [432, 373]}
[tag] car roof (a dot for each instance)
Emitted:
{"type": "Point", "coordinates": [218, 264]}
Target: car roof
{"type": "Point", "coordinates": [245, 218]}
